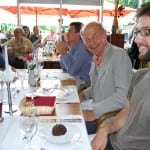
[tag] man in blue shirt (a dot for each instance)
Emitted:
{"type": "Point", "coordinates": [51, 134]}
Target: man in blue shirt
{"type": "Point", "coordinates": [75, 58]}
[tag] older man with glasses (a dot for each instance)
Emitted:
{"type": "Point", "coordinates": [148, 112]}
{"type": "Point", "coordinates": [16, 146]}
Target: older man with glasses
{"type": "Point", "coordinates": [20, 47]}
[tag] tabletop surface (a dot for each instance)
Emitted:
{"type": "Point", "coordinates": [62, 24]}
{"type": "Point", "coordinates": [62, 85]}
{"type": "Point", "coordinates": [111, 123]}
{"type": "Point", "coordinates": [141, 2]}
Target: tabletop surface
{"type": "Point", "coordinates": [67, 111]}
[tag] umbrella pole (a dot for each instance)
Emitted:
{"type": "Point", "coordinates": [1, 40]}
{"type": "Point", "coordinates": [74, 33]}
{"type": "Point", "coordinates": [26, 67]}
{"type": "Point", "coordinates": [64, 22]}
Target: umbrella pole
{"type": "Point", "coordinates": [100, 16]}
{"type": "Point", "coordinates": [60, 21]}
{"type": "Point", "coordinates": [36, 15]}
{"type": "Point", "coordinates": [18, 13]}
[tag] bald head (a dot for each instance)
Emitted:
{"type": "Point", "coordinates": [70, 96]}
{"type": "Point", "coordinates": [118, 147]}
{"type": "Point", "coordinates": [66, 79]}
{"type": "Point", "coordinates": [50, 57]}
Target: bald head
{"type": "Point", "coordinates": [92, 26]}
{"type": "Point", "coordinates": [18, 33]}
{"type": "Point", "coordinates": [18, 30]}
{"type": "Point", "coordinates": [94, 37]}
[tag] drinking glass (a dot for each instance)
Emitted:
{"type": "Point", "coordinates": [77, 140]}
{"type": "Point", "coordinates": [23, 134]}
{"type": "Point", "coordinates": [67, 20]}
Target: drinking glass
{"type": "Point", "coordinates": [28, 128]}
{"type": "Point", "coordinates": [40, 65]}
{"type": "Point", "coordinates": [21, 75]}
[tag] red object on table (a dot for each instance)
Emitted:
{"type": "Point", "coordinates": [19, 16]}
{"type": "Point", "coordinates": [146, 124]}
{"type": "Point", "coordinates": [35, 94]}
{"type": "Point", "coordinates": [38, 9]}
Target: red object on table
{"type": "Point", "coordinates": [43, 100]}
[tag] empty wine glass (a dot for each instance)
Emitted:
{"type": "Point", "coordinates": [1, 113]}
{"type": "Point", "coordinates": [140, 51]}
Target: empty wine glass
{"type": "Point", "coordinates": [28, 128]}
{"type": "Point", "coordinates": [40, 65]}
{"type": "Point", "coordinates": [21, 75]}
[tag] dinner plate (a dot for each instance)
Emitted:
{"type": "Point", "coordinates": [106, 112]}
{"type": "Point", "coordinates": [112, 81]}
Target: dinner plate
{"type": "Point", "coordinates": [60, 93]}
{"type": "Point", "coordinates": [58, 75]}
{"type": "Point", "coordinates": [72, 135]}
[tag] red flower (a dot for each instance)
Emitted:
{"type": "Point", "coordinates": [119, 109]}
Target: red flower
{"type": "Point", "coordinates": [29, 57]}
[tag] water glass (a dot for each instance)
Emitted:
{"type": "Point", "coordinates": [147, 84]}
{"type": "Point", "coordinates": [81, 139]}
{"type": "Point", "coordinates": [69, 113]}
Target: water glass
{"type": "Point", "coordinates": [28, 128]}
{"type": "Point", "coordinates": [40, 65]}
{"type": "Point", "coordinates": [21, 75]}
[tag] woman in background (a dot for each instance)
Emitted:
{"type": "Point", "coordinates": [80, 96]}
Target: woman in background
{"type": "Point", "coordinates": [26, 32]}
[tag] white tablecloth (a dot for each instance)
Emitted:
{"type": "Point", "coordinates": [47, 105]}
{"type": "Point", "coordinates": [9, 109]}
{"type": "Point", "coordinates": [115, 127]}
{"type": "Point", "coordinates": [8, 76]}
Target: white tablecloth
{"type": "Point", "coordinates": [67, 95]}
{"type": "Point", "coordinates": [11, 138]}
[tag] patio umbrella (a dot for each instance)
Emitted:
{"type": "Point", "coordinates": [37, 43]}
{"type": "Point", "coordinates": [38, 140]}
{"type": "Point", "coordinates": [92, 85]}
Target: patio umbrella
{"type": "Point", "coordinates": [33, 10]}
{"type": "Point", "coordinates": [76, 13]}
{"type": "Point", "coordinates": [30, 10]}
{"type": "Point", "coordinates": [106, 12]}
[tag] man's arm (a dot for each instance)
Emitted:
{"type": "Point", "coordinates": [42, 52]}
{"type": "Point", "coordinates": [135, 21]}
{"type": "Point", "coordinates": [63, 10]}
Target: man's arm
{"type": "Point", "coordinates": [100, 140]}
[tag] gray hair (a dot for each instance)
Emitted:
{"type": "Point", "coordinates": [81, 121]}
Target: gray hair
{"type": "Point", "coordinates": [20, 30]}
{"type": "Point", "coordinates": [101, 28]}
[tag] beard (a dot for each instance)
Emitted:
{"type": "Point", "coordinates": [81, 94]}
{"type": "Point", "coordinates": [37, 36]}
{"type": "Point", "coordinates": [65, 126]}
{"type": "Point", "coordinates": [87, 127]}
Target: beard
{"type": "Point", "coordinates": [145, 56]}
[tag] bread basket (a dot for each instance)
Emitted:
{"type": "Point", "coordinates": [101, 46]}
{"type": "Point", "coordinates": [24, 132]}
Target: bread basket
{"type": "Point", "coordinates": [41, 106]}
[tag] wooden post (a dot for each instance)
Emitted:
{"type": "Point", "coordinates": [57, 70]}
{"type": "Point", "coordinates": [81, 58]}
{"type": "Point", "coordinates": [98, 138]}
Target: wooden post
{"type": "Point", "coordinates": [115, 20]}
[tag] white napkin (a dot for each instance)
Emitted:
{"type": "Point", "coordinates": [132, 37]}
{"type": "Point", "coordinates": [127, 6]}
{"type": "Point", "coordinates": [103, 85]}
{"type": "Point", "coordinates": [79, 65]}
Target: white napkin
{"type": "Point", "coordinates": [87, 104]}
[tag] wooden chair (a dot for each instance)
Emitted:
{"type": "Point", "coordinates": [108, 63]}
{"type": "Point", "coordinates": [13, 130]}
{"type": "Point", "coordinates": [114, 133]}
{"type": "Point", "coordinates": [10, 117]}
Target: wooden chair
{"type": "Point", "coordinates": [144, 64]}
{"type": "Point", "coordinates": [68, 82]}
{"type": "Point", "coordinates": [105, 116]}
{"type": "Point", "coordinates": [83, 86]}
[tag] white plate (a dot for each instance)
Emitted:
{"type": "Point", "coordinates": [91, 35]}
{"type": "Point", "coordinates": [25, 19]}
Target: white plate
{"type": "Point", "coordinates": [58, 75]}
{"type": "Point", "coordinates": [72, 135]}
{"type": "Point", "coordinates": [60, 93]}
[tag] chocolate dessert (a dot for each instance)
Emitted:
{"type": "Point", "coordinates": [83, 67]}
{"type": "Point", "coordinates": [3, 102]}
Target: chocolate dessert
{"type": "Point", "coordinates": [59, 129]}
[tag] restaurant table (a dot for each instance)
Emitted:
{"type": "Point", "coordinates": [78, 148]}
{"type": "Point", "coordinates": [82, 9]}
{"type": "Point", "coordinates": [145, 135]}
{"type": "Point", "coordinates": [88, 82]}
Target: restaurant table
{"type": "Point", "coordinates": [11, 137]}
{"type": "Point", "coordinates": [49, 79]}
{"type": "Point", "coordinates": [50, 62]}
{"type": "Point", "coordinates": [67, 111]}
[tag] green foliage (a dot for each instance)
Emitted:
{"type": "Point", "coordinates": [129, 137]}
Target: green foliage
{"type": "Point", "coordinates": [127, 3]}
{"type": "Point", "coordinates": [10, 27]}
{"type": "Point", "coordinates": [32, 67]}
{"type": "Point", "coordinates": [3, 27]}
{"type": "Point", "coordinates": [45, 28]}
{"type": "Point", "coordinates": [7, 27]}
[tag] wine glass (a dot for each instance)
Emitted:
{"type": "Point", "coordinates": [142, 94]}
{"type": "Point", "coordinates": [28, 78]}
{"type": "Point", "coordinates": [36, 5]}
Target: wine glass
{"type": "Point", "coordinates": [21, 75]}
{"type": "Point", "coordinates": [28, 128]}
{"type": "Point", "coordinates": [40, 65]}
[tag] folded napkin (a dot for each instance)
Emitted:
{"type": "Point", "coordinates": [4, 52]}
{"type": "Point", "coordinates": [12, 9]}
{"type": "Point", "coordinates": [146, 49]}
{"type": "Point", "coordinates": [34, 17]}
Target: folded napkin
{"type": "Point", "coordinates": [87, 104]}
{"type": "Point", "coordinates": [42, 100]}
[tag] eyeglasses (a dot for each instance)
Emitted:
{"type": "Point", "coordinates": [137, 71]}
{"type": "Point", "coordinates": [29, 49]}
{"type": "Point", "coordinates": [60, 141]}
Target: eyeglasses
{"type": "Point", "coordinates": [17, 32]}
{"type": "Point", "coordinates": [142, 32]}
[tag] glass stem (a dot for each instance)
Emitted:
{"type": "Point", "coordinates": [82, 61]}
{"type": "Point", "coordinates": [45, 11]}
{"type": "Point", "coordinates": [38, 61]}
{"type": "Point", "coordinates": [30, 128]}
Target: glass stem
{"type": "Point", "coordinates": [22, 87]}
{"type": "Point", "coordinates": [28, 143]}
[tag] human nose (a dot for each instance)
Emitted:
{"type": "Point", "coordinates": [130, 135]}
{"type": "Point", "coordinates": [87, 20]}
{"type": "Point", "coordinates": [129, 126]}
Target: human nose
{"type": "Point", "coordinates": [138, 39]}
{"type": "Point", "coordinates": [88, 41]}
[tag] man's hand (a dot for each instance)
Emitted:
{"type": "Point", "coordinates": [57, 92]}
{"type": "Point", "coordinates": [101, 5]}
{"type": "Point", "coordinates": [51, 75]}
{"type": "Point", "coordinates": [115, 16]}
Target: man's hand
{"type": "Point", "coordinates": [16, 48]}
{"type": "Point", "coordinates": [100, 140]}
{"type": "Point", "coordinates": [61, 48]}
{"type": "Point", "coordinates": [39, 38]}
{"type": "Point", "coordinates": [88, 115]}
{"type": "Point", "coordinates": [81, 96]}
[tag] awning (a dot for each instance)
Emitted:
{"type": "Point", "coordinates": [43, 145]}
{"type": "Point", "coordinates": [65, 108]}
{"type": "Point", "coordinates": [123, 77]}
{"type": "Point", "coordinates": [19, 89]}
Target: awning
{"type": "Point", "coordinates": [72, 13]}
